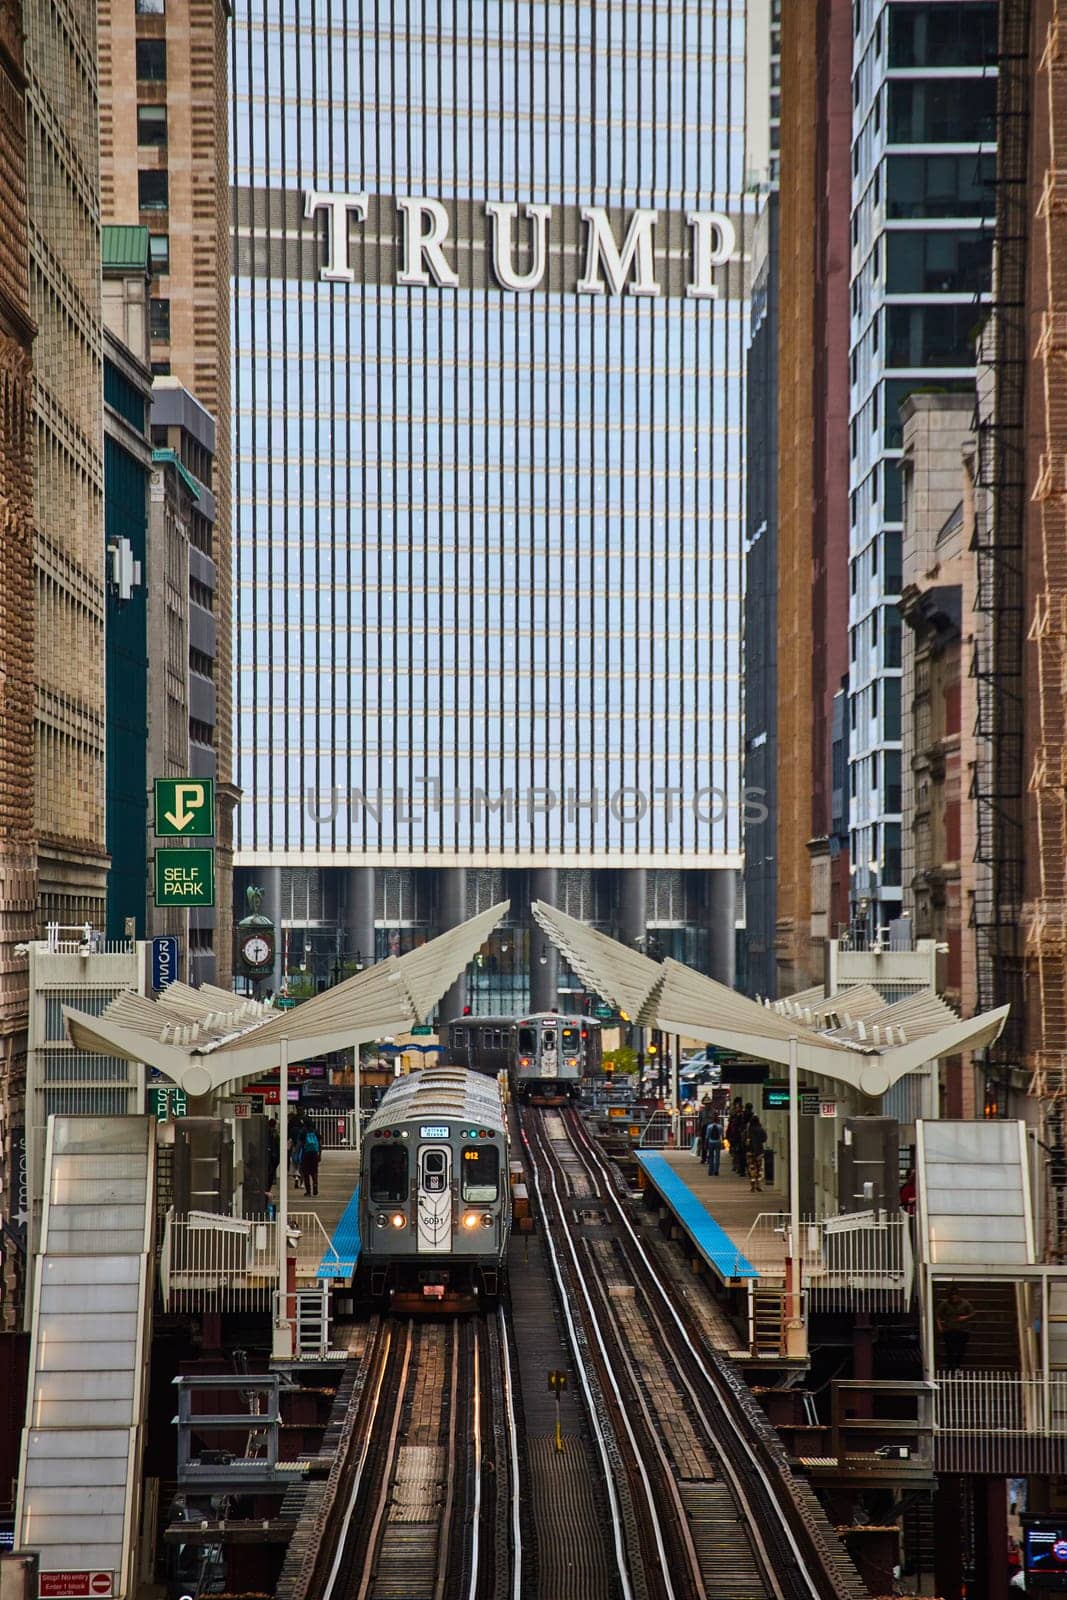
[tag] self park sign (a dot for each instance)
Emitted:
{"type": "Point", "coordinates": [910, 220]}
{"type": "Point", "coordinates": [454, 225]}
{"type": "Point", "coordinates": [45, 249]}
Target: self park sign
{"type": "Point", "coordinates": [185, 878]}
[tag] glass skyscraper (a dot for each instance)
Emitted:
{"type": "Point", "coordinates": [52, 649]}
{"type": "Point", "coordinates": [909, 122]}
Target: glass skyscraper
{"type": "Point", "coordinates": [924, 167]}
{"type": "Point", "coordinates": [490, 312]}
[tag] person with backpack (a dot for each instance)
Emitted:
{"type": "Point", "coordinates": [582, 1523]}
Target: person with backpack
{"type": "Point", "coordinates": [310, 1155]}
{"type": "Point", "coordinates": [713, 1145]}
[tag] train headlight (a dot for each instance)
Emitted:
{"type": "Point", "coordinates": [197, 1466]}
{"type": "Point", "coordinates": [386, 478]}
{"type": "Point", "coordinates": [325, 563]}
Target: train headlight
{"type": "Point", "coordinates": [398, 1219]}
{"type": "Point", "coordinates": [487, 1219]}
{"type": "Point", "coordinates": [471, 1219]}
{"type": "Point", "coordinates": [381, 1220]}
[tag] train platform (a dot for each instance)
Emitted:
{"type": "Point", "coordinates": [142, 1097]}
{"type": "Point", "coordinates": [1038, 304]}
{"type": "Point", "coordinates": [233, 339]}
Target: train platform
{"type": "Point", "coordinates": [336, 1209]}
{"type": "Point", "coordinates": [717, 1214]}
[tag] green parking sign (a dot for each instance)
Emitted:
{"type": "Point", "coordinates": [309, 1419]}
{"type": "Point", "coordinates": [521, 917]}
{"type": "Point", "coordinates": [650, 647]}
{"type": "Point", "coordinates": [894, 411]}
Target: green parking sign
{"type": "Point", "coordinates": [185, 877]}
{"type": "Point", "coordinates": [185, 807]}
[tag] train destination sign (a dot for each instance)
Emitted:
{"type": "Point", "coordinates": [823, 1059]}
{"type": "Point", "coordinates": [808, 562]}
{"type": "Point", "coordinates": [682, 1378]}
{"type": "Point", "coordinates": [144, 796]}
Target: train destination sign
{"type": "Point", "coordinates": [593, 250]}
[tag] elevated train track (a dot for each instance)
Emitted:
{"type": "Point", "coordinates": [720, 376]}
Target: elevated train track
{"type": "Point", "coordinates": [425, 1500]}
{"type": "Point", "coordinates": [702, 1498]}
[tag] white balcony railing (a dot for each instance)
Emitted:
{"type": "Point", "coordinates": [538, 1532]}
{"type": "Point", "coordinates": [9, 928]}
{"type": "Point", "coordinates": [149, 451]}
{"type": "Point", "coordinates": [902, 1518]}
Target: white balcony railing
{"type": "Point", "coordinates": [220, 1263]}
{"type": "Point", "coordinates": [863, 1257]}
{"type": "Point", "coordinates": [1002, 1421]}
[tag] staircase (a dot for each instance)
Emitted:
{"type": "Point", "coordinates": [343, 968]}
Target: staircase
{"type": "Point", "coordinates": [766, 1318]}
{"type": "Point", "coordinates": [993, 1343]}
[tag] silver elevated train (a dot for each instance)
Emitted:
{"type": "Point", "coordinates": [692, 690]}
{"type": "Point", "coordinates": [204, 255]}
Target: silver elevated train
{"type": "Point", "coordinates": [434, 1199]}
{"type": "Point", "coordinates": [545, 1054]}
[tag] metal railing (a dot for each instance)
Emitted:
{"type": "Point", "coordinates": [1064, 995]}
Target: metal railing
{"type": "Point", "coordinates": [230, 1263]}
{"type": "Point", "coordinates": [862, 1254]}
{"type": "Point", "coordinates": [992, 1421]}
{"type": "Point", "coordinates": [658, 1132]}
{"type": "Point", "coordinates": [337, 1130]}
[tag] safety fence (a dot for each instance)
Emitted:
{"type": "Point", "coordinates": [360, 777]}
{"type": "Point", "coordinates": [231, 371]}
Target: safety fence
{"type": "Point", "coordinates": [861, 1258]}
{"type": "Point", "coordinates": [1001, 1422]}
{"type": "Point", "coordinates": [219, 1263]}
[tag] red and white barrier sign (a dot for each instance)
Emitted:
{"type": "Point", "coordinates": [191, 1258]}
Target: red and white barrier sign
{"type": "Point", "coordinates": [75, 1585]}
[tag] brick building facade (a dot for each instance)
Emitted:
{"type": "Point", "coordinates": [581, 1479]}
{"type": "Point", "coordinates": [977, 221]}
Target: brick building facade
{"type": "Point", "coordinates": [65, 303]}
{"type": "Point", "coordinates": [18, 886]}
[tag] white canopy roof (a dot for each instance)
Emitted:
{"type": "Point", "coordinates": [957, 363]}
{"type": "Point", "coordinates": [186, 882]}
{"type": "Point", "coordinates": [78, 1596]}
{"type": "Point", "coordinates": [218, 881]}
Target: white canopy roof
{"type": "Point", "coordinates": [853, 1037]}
{"type": "Point", "coordinates": [201, 1038]}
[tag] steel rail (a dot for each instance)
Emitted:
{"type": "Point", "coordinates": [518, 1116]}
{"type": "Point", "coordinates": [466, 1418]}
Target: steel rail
{"type": "Point", "coordinates": [476, 1531]}
{"type": "Point", "coordinates": [621, 1562]}
{"type": "Point", "coordinates": [513, 1442]}
{"type": "Point", "coordinates": [597, 1168]}
{"type": "Point", "coordinates": [374, 1535]}
{"type": "Point", "coordinates": [594, 1328]}
{"type": "Point", "coordinates": [445, 1528]}
{"type": "Point", "coordinates": [357, 1477]}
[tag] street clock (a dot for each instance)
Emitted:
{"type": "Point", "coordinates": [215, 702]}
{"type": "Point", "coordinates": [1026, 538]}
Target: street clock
{"type": "Point", "coordinates": [256, 949]}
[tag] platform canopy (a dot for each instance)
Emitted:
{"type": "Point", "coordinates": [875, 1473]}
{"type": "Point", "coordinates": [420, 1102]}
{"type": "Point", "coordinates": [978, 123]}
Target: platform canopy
{"type": "Point", "coordinates": [854, 1037]}
{"type": "Point", "coordinates": [203, 1038]}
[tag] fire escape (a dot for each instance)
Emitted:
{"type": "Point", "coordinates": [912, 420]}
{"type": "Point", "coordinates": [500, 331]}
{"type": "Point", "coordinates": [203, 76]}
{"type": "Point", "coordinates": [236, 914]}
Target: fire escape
{"type": "Point", "coordinates": [1046, 915]}
{"type": "Point", "coordinates": [997, 663]}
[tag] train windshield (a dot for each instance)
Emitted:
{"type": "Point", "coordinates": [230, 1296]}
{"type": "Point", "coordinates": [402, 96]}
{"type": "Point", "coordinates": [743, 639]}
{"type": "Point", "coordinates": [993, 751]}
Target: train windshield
{"type": "Point", "coordinates": [388, 1174]}
{"type": "Point", "coordinates": [548, 1039]}
{"type": "Point", "coordinates": [527, 1042]}
{"type": "Point", "coordinates": [572, 1041]}
{"type": "Point", "coordinates": [481, 1172]}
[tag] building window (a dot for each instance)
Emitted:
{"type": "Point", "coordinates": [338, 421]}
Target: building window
{"type": "Point", "coordinates": [159, 253]}
{"type": "Point", "coordinates": [152, 60]}
{"type": "Point", "coordinates": [150, 8]}
{"type": "Point", "coordinates": [941, 186]}
{"type": "Point", "coordinates": [152, 190]}
{"type": "Point", "coordinates": [943, 111]}
{"type": "Point", "coordinates": [151, 125]}
{"type": "Point", "coordinates": [939, 263]}
{"type": "Point", "coordinates": [161, 369]}
{"type": "Point", "coordinates": [159, 319]}
{"type": "Point", "coordinates": [942, 35]}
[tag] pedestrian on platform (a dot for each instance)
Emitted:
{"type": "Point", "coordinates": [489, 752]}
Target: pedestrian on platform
{"type": "Point", "coordinates": [953, 1314]}
{"type": "Point", "coordinates": [703, 1119]}
{"type": "Point", "coordinates": [908, 1194]}
{"type": "Point", "coordinates": [735, 1134]}
{"type": "Point", "coordinates": [273, 1152]}
{"type": "Point", "coordinates": [310, 1155]}
{"type": "Point", "coordinates": [755, 1139]}
{"type": "Point", "coordinates": [297, 1132]}
{"type": "Point", "coordinates": [713, 1146]}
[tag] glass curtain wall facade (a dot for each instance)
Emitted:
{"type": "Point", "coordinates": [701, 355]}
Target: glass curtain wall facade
{"type": "Point", "coordinates": [489, 432]}
{"type": "Point", "coordinates": [923, 168]}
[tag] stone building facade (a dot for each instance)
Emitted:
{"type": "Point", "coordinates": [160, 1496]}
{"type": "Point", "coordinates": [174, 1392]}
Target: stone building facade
{"type": "Point", "coordinates": [938, 701]}
{"type": "Point", "coordinates": [65, 303]}
{"type": "Point", "coordinates": [18, 887]}
{"type": "Point", "coordinates": [164, 162]}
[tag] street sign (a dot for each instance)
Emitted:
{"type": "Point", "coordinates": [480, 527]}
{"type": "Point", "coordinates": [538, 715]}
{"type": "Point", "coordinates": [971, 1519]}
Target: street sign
{"type": "Point", "coordinates": [185, 807]}
{"type": "Point", "coordinates": [164, 961]}
{"type": "Point", "coordinates": [828, 1108]}
{"type": "Point", "coordinates": [284, 1002]}
{"type": "Point", "coordinates": [421, 1031]}
{"type": "Point", "coordinates": [185, 877]}
{"type": "Point", "coordinates": [604, 1013]}
{"type": "Point", "coordinates": [166, 1103]}
{"type": "Point", "coordinates": [75, 1585]}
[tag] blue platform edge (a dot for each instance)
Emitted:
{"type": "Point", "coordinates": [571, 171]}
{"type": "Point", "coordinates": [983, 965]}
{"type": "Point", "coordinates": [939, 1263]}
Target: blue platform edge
{"type": "Point", "coordinates": [713, 1242]}
{"type": "Point", "coordinates": [345, 1242]}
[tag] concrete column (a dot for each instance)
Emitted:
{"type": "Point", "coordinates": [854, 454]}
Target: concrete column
{"type": "Point", "coordinates": [359, 914]}
{"type": "Point", "coordinates": [544, 980]}
{"type": "Point", "coordinates": [451, 898]}
{"type": "Point", "coordinates": [630, 893]}
{"type": "Point", "coordinates": [722, 906]}
{"type": "Point", "coordinates": [272, 908]}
